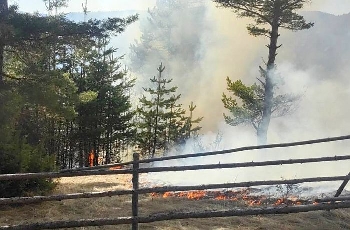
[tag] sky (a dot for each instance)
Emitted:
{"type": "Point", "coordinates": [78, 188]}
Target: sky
{"type": "Point", "coordinates": [93, 5]}
{"type": "Point", "coordinates": [336, 7]}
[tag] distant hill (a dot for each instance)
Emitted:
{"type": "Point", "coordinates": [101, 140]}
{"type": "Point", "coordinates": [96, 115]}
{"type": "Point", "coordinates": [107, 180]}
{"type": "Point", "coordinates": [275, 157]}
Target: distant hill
{"type": "Point", "coordinates": [324, 47]}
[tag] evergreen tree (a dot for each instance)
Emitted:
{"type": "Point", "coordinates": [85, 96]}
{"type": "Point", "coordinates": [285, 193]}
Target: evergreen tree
{"type": "Point", "coordinates": [190, 128]}
{"type": "Point", "coordinates": [38, 94]}
{"type": "Point", "coordinates": [162, 122]}
{"type": "Point", "coordinates": [258, 101]}
{"type": "Point", "coordinates": [153, 113]}
{"type": "Point", "coordinates": [104, 121]}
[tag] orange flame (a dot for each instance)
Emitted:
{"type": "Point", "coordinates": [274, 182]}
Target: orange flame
{"type": "Point", "coordinates": [235, 196]}
{"type": "Point", "coordinates": [116, 167]}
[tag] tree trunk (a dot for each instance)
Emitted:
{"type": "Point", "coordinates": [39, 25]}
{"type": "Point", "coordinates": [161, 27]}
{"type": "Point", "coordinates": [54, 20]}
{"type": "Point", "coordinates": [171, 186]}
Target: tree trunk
{"type": "Point", "coordinates": [3, 18]}
{"type": "Point", "coordinates": [269, 84]}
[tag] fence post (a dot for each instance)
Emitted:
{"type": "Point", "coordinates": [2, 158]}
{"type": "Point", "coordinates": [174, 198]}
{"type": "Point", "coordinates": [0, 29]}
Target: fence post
{"type": "Point", "coordinates": [342, 186]}
{"type": "Point", "coordinates": [135, 187]}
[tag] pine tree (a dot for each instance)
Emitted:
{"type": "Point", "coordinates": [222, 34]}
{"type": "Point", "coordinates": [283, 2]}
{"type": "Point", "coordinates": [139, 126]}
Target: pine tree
{"type": "Point", "coordinates": [104, 114]}
{"type": "Point", "coordinates": [162, 120]}
{"type": "Point", "coordinates": [38, 93]}
{"type": "Point", "coordinates": [190, 127]}
{"type": "Point", "coordinates": [269, 17]}
{"type": "Point", "coordinates": [155, 113]}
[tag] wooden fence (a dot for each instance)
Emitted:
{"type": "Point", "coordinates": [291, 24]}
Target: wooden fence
{"type": "Point", "coordinates": [329, 203]}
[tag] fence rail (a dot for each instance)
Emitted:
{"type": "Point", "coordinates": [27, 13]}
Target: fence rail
{"type": "Point", "coordinates": [60, 197]}
{"type": "Point", "coordinates": [24, 176]}
{"type": "Point", "coordinates": [244, 164]}
{"type": "Point", "coordinates": [178, 215]}
{"type": "Point", "coordinates": [256, 147]}
{"type": "Point", "coordinates": [335, 203]}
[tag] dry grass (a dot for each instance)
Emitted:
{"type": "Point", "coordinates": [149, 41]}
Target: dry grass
{"type": "Point", "coordinates": [110, 207]}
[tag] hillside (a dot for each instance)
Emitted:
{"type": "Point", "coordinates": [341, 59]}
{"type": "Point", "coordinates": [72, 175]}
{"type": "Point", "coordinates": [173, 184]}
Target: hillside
{"type": "Point", "coordinates": [324, 47]}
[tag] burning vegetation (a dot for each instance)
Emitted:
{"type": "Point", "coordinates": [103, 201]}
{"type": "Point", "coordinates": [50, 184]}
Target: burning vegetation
{"type": "Point", "coordinates": [243, 196]}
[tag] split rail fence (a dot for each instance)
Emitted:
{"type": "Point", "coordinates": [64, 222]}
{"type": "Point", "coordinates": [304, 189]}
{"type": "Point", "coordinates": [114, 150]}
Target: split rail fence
{"type": "Point", "coordinates": [330, 203]}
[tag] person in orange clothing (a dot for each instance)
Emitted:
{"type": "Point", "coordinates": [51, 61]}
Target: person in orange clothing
{"type": "Point", "coordinates": [91, 158]}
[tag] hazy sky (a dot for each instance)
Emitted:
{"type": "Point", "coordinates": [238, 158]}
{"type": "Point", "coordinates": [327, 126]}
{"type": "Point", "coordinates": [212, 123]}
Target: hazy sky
{"type": "Point", "coordinates": [93, 5]}
{"type": "Point", "coordinates": [330, 6]}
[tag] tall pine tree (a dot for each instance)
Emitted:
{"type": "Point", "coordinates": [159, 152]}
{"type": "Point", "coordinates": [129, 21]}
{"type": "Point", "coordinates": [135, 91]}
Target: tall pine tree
{"type": "Point", "coordinates": [269, 17]}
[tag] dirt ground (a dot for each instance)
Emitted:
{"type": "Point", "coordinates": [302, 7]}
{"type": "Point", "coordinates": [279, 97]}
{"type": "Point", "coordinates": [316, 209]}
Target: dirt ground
{"type": "Point", "coordinates": [120, 206]}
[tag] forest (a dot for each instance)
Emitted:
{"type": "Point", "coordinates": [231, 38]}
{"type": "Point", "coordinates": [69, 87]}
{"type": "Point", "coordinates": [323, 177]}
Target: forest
{"type": "Point", "coordinates": [67, 100]}
{"type": "Point", "coordinates": [65, 96]}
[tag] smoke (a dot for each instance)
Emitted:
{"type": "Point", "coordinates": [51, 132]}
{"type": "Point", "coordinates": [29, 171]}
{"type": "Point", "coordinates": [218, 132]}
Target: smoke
{"type": "Point", "coordinates": [309, 67]}
{"type": "Point", "coordinates": [230, 140]}
{"type": "Point", "coordinates": [336, 7]}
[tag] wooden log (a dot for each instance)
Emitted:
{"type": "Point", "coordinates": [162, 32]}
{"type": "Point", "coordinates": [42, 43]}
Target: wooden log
{"type": "Point", "coordinates": [239, 184]}
{"type": "Point", "coordinates": [135, 194]}
{"type": "Point", "coordinates": [342, 186]}
{"type": "Point", "coordinates": [38, 199]}
{"type": "Point", "coordinates": [23, 176]}
{"type": "Point", "coordinates": [244, 212]}
{"type": "Point", "coordinates": [60, 197]}
{"type": "Point", "coordinates": [69, 224]}
{"type": "Point", "coordinates": [244, 164]}
{"type": "Point", "coordinates": [281, 145]}
{"type": "Point", "coordinates": [333, 199]}
{"type": "Point", "coordinates": [175, 216]}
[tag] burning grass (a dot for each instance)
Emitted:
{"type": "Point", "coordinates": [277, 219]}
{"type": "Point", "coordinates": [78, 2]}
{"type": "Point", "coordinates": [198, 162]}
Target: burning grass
{"type": "Point", "coordinates": [238, 197]}
{"type": "Point", "coordinates": [111, 207]}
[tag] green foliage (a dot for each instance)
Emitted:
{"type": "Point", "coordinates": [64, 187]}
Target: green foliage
{"type": "Point", "coordinates": [162, 121]}
{"type": "Point", "coordinates": [54, 4]}
{"type": "Point", "coordinates": [87, 96]}
{"type": "Point", "coordinates": [19, 157]}
{"type": "Point", "coordinates": [52, 71]}
{"type": "Point", "coordinates": [32, 28]}
{"type": "Point", "coordinates": [249, 111]}
{"type": "Point", "coordinates": [246, 107]}
{"type": "Point", "coordinates": [104, 113]}
{"type": "Point", "coordinates": [269, 12]}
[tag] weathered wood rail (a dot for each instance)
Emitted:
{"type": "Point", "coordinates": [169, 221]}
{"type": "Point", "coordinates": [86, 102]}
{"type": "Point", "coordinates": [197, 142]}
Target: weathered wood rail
{"type": "Point", "coordinates": [329, 203]}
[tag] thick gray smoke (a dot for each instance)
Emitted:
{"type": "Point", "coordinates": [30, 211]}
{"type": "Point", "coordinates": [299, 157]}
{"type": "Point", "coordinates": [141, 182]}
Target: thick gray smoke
{"type": "Point", "coordinates": [312, 63]}
{"type": "Point", "coordinates": [201, 45]}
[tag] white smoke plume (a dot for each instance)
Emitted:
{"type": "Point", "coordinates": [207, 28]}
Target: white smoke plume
{"type": "Point", "coordinates": [226, 49]}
